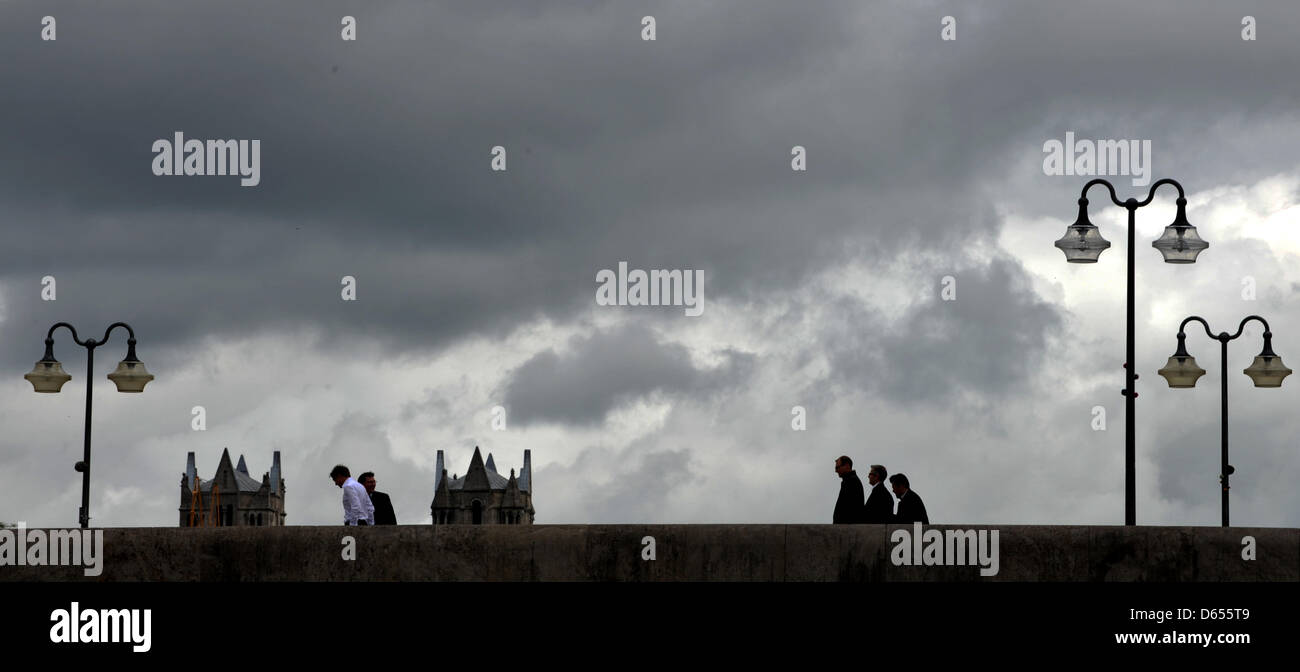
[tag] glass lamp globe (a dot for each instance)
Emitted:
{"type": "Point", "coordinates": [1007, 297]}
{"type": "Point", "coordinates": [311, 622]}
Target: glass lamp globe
{"type": "Point", "coordinates": [1082, 242]}
{"type": "Point", "coordinates": [1180, 243]}
{"type": "Point", "coordinates": [1181, 371]}
{"type": "Point", "coordinates": [1267, 370]}
{"type": "Point", "coordinates": [130, 375]}
{"type": "Point", "coordinates": [47, 376]}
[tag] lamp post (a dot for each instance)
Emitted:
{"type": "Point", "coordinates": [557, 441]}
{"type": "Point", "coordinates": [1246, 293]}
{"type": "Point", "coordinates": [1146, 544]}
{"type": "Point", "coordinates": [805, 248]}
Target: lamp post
{"type": "Point", "coordinates": [1083, 244]}
{"type": "Point", "coordinates": [1266, 371]}
{"type": "Point", "coordinates": [48, 376]}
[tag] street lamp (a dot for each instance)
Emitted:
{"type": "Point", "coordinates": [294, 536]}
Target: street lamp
{"type": "Point", "coordinates": [48, 376]}
{"type": "Point", "coordinates": [1083, 244]}
{"type": "Point", "coordinates": [1266, 371]}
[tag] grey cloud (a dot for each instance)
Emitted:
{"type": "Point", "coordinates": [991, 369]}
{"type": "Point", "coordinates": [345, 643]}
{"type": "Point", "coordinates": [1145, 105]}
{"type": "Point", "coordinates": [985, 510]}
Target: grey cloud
{"type": "Point", "coordinates": [631, 485]}
{"type": "Point", "coordinates": [672, 153]}
{"type": "Point", "coordinates": [988, 340]}
{"type": "Point", "coordinates": [608, 369]}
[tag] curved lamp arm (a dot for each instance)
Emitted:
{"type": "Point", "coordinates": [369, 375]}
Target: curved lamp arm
{"type": "Point", "coordinates": [1152, 193]}
{"type": "Point", "coordinates": [1197, 319]}
{"type": "Point", "coordinates": [1268, 333]}
{"type": "Point", "coordinates": [90, 342]}
{"type": "Point", "coordinates": [49, 335]}
{"type": "Point", "coordinates": [1083, 195]}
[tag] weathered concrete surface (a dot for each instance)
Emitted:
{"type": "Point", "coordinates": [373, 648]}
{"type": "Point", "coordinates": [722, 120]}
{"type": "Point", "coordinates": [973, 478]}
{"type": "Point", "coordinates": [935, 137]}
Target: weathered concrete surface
{"type": "Point", "coordinates": [682, 553]}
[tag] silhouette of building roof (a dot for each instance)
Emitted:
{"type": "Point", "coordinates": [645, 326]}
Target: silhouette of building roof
{"type": "Point", "coordinates": [245, 482]}
{"type": "Point", "coordinates": [483, 475]}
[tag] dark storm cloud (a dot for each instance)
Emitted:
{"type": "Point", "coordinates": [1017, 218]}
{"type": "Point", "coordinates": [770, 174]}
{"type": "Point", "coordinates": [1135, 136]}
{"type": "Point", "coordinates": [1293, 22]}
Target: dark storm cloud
{"type": "Point", "coordinates": [608, 369]}
{"type": "Point", "coordinates": [665, 154]}
{"type": "Point", "coordinates": [377, 171]}
{"type": "Point", "coordinates": [987, 340]}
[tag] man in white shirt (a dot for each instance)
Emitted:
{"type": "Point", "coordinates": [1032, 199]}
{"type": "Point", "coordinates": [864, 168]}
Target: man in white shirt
{"type": "Point", "coordinates": [357, 509]}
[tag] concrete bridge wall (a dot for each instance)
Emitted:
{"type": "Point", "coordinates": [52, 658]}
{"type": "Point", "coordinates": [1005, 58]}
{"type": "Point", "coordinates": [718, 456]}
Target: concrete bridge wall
{"type": "Point", "coordinates": [683, 553]}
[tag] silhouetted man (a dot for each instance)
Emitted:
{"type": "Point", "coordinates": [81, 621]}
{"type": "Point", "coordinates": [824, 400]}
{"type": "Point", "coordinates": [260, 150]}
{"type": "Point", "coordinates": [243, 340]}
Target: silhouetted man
{"type": "Point", "coordinates": [848, 508]}
{"type": "Point", "coordinates": [383, 505]}
{"type": "Point", "coordinates": [880, 506]}
{"type": "Point", "coordinates": [357, 509]}
{"type": "Point", "coordinates": [910, 507]}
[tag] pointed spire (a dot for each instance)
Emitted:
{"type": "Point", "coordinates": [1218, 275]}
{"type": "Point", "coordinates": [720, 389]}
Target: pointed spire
{"type": "Point", "coordinates": [511, 498]}
{"type": "Point", "coordinates": [441, 495]}
{"type": "Point", "coordinates": [275, 473]}
{"type": "Point", "coordinates": [491, 465]}
{"type": "Point", "coordinates": [439, 473]}
{"type": "Point", "coordinates": [476, 478]}
{"type": "Point", "coordinates": [526, 476]}
{"type": "Point", "coordinates": [225, 466]}
{"type": "Point", "coordinates": [190, 470]}
{"type": "Point", "coordinates": [242, 466]}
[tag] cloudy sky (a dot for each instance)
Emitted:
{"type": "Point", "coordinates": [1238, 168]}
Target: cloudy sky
{"type": "Point", "coordinates": [476, 288]}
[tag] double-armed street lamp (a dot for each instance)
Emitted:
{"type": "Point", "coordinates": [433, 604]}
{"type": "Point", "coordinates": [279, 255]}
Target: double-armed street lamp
{"type": "Point", "coordinates": [1266, 371]}
{"type": "Point", "coordinates": [1083, 244]}
{"type": "Point", "coordinates": [48, 376]}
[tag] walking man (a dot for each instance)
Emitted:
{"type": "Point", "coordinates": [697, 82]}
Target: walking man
{"type": "Point", "coordinates": [910, 507]}
{"type": "Point", "coordinates": [357, 509]}
{"type": "Point", "coordinates": [848, 508]}
{"type": "Point", "coordinates": [384, 514]}
{"type": "Point", "coordinates": [880, 506]}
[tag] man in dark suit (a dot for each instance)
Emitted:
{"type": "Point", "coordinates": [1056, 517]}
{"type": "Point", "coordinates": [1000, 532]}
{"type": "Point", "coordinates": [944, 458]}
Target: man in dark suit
{"type": "Point", "coordinates": [910, 507]}
{"type": "Point", "coordinates": [880, 506]}
{"type": "Point", "coordinates": [383, 505]}
{"type": "Point", "coordinates": [848, 508]}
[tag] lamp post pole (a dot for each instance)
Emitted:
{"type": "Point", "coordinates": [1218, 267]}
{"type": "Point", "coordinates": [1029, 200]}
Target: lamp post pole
{"type": "Point", "coordinates": [1224, 467]}
{"type": "Point", "coordinates": [83, 514]}
{"type": "Point", "coordinates": [1083, 243]}
{"type": "Point", "coordinates": [1130, 373]}
{"type": "Point", "coordinates": [1266, 371]}
{"type": "Point", "coordinates": [48, 376]}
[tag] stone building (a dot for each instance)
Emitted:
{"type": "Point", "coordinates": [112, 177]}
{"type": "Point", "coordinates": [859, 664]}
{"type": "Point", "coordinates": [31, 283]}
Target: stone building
{"type": "Point", "coordinates": [237, 500]}
{"type": "Point", "coordinates": [482, 496]}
